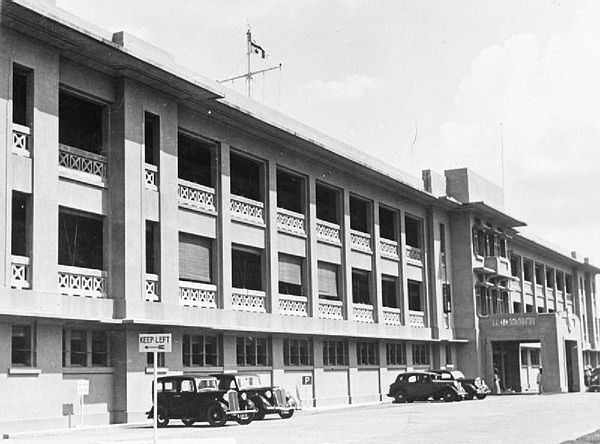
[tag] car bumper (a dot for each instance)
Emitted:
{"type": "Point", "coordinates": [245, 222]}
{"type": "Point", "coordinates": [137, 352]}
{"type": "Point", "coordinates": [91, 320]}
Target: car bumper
{"type": "Point", "coordinates": [241, 412]}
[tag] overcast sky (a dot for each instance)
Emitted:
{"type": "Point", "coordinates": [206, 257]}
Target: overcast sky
{"type": "Point", "coordinates": [380, 74]}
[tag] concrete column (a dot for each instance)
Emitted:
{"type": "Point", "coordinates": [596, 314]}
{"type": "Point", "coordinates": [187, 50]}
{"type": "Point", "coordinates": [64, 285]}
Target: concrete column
{"type": "Point", "coordinates": [318, 377]}
{"type": "Point", "coordinates": [48, 347]}
{"type": "Point", "coordinates": [376, 260]}
{"type": "Point", "coordinates": [224, 227]}
{"type": "Point", "coordinates": [433, 301]}
{"type": "Point", "coordinates": [346, 248]}
{"type": "Point", "coordinates": [383, 371]}
{"type": "Point", "coordinates": [277, 358]}
{"type": "Point", "coordinates": [229, 351]}
{"type": "Point", "coordinates": [352, 369]}
{"type": "Point", "coordinates": [522, 277]}
{"type": "Point", "coordinates": [312, 253]}
{"type": "Point", "coordinates": [271, 250]}
{"type": "Point", "coordinates": [403, 281]}
{"type": "Point", "coordinates": [174, 360]}
{"type": "Point", "coordinates": [5, 170]}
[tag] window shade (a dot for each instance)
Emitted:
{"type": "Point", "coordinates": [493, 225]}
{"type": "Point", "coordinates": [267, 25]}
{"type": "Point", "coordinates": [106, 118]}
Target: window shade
{"type": "Point", "coordinates": [328, 279]}
{"type": "Point", "coordinates": [290, 269]}
{"type": "Point", "coordinates": [194, 258]}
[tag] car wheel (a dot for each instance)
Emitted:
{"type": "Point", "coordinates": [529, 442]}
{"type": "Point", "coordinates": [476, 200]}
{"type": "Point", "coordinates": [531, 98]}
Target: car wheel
{"type": "Point", "coordinates": [470, 396]}
{"type": "Point", "coordinates": [401, 397]}
{"type": "Point", "coordinates": [216, 416]}
{"type": "Point", "coordinates": [162, 417]}
{"type": "Point", "coordinates": [286, 415]}
{"type": "Point", "coordinates": [188, 422]}
{"type": "Point", "coordinates": [449, 396]}
{"type": "Point", "coordinates": [481, 395]}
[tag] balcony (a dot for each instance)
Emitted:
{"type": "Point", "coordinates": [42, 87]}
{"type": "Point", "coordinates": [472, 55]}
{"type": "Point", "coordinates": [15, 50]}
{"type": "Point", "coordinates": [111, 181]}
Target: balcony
{"type": "Point", "coordinates": [247, 210]}
{"type": "Point", "coordinates": [363, 313]}
{"type": "Point", "coordinates": [528, 287]}
{"type": "Point", "coordinates": [21, 140]}
{"type": "Point", "coordinates": [414, 255]}
{"type": "Point", "coordinates": [20, 272]}
{"type": "Point", "coordinates": [82, 282]}
{"type": "Point", "coordinates": [514, 285]}
{"type": "Point", "coordinates": [292, 305]}
{"type": "Point", "coordinates": [389, 249]}
{"type": "Point", "coordinates": [248, 300]}
{"type": "Point", "coordinates": [196, 197]}
{"type": "Point", "coordinates": [392, 316]}
{"type": "Point", "coordinates": [152, 289]}
{"type": "Point", "coordinates": [329, 309]}
{"type": "Point", "coordinates": [151, 177]}
{"type": "Point", "coordinates": [499, 266]}
{"type": "Point", "coordinates": [82, 165]}
{"type": "Point", "coordinates": [194, 294]}
{"type": "Point", "coordinates": [360, 241]}
{"type": "Point", "coordinates": [328, 232]}
{"type": "Point", "coordinates": [416, 319]}
{"type": "Point", "coordinates": [290, 222]}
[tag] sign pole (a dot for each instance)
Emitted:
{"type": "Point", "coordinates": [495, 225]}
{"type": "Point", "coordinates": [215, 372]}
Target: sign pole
{"type": "Point", "coordinates": [81, 402]}
{"type": "Point", "coordinates": [155, 395]}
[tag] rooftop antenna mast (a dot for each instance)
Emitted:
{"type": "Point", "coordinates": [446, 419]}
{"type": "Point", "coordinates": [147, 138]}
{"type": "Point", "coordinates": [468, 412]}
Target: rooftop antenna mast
{"type": "Point", "coordinates": [252, 48]}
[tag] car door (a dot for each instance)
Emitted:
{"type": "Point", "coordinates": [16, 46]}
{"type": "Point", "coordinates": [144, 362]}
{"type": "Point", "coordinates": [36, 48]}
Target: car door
{"type": "Point", "coordinates": [187, 399]}
{"type": "Point", "coordinates": [426, 387]}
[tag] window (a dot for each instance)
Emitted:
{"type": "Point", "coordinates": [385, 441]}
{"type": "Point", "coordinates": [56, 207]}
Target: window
{"type": "Point", "coordinates": [328, 280]}
{"type": "Point", "coordinates": [19, 226]}
{"type": "Point", "coordinates": [290, 274]}
{"type": "Point", "coordinates": [366, 353]}
{"type": "Point", "coordinates": [517, 307]}
{"type": "Point", "coordinates": [80, 240]}
{"type": "Point", "coordinates": [160, 359]}
{"type": "Point", "coordinates": [195, 258]}
{"type": "Point", "coordinates": [22, 353]}
{"type": "Point", "coordinates": [290, 192]}
{"type": "Point", "coordinates": [395, 353]}
{"type": "Point", "coordinates": [361, 293]}
{"type": "Point", "coordinates": [515, 266]}
{"type": "Point", "coordinates": [195, 160]}
{"type": "Point", "coordinates": [151, 138]}
{"type": "Point", "coordinates": [448, 348]}
{"type": "Point", "coordinates": [549, 278]}
{"type": "Point", "coordinates": [527, 270]}
{"type": "Point", "coordinates": [246, 177]}
{"type": "Point", "coordinates": [414, 296]}
{"type": "Point", "coordinates": [252, 351]}
{"type": "Point", "coordinates": [387, 223]}
{"type": "Point", "coordinates": [85, 348]}
{"type": "Point", "coordinates": [200, 351]}
{"type": "Point", "coordinates": [359, 215]}
{"type": "Point", "coordinates": [297, 352]}
{"type": "Point", "coordinates": [152, 246]}
{"type": "Point", "coordinates": [539, 275]}
{"type": "Point", "coordinates": [569, 283]}
{"type": "Point", "coordinates": [483, 303]}
{"type": "Point", "coordinates": [327, 204]}
{"type": "Point", "coordinates": [246, 269]}
{"type": "Point", "coordinates": [447, 298]}
{"type": "Point", "coordinates": [413, 231]}
{"type": "Point", "coordinates": [535, 357]}
{"type": "Point", "coordinates": [388, 291]}
{"type": "Point", "coordinates": [524, 360]}
{"type": "Point", "coordinates": [21, 96]}
{"type": "Point", "coordinates": [79, 123]}
{"type": "Point", "coordinates": [335, 352]}
{"type": "Point", "coordinates": [420, 354]}
{"type": "Point", "coordinates": [560, 281]}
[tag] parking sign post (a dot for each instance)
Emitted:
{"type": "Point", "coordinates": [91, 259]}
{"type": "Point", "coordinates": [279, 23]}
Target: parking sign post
{"type": "Point", "coordinates": [155, 343]}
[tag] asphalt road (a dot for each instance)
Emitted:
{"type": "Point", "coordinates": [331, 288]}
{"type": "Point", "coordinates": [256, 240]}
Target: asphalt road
{"type": "Point", "coordinates": [542, 419]}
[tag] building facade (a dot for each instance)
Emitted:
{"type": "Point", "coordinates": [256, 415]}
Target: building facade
{"type": "Point", "coordinates": [140, 198]}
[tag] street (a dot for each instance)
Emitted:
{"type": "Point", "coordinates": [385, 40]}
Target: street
{"type": "Point", "coordinates": [519, 418]}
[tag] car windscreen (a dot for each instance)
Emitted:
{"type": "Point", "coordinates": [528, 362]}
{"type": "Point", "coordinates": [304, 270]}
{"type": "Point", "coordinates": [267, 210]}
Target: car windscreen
{"type": "Point", "coordinates": [206, 384]}
{"type": "Point", "coordinates": [248, 381]}
{"type": "Point", "coordinates": [458, 374]}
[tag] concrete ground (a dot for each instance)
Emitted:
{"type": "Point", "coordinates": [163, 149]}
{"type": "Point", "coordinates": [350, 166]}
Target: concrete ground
{"type": "Point", "coordinates": [498, 419]}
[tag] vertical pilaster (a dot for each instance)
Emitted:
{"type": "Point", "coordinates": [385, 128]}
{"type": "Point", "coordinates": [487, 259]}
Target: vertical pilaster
{"type": "Point", "coordinates": [430, 261]}
{"type": "Point", "coordinates": [346, 248]}
{"type": "Point", "coordinates": [224, 228]}
{"type": "Point", "coordinates": [383, 371]}
{"type": "Point", "coordinates": [403, 281]}
{"type": "Point", "coordinates": [312, 253]}
{"type": "Point", "coordinates": [272, 255]}
{"type": "Point", "coordinates": [5, 170]}
{"type": "Point", "coordinates": [522, 277]}
{"type": "Point", "coordinates": [277, 356]}
{"type": "Point", "coordinates": [229, 351]}
{"type": "Point", "coordinates": [352, 370]}
{"type": "Point", "coordinates": [376, 248]}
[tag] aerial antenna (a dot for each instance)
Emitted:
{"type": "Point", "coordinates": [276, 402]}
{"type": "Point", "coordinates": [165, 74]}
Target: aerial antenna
{"type": "Point", "coordinates": [251, 48]}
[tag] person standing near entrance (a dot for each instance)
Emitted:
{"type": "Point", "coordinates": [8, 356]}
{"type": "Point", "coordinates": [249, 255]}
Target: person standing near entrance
{"type": "Point", "coordinates": [497, 382]}
{"type": "Point", "coordinates": [540, 382]}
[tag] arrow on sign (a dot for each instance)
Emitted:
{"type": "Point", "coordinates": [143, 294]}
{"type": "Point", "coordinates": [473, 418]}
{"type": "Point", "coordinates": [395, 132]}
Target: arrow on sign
{"type": "Point", "coordinates": [155, 347]}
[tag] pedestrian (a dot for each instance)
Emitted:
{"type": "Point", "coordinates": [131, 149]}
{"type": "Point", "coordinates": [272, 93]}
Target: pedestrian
{"type": "Point", "coordinates": [540, 382]}
{"type": "Point", "coordinates": [497, 382]}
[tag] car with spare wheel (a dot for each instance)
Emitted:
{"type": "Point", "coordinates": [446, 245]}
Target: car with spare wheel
{"type": "Point", "coordinates": [266, 398]}
{"type": "Point", "coordinates": [196, 399]}
{"type": "Point", "coordinates": [475, 387]}
{"type": "Point", "coordinates": [422, 386]}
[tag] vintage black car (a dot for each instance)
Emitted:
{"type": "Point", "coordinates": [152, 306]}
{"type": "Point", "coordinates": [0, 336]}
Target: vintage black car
{"type": "Point", "coordinates": [193, 399]}
{"type": "Point", "coordinates": [421, 386]}
{"type": "Point", "coordinates": [267, 399]}
{"type": "Point", "coordinates": [475, 388]}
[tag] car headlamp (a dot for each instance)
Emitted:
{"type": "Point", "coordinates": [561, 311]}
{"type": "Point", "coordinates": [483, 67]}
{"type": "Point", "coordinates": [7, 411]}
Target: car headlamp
{"type": "Point", "coordinates": [268, 393]}
{"type": "Point", "coordinates": [244, 396]}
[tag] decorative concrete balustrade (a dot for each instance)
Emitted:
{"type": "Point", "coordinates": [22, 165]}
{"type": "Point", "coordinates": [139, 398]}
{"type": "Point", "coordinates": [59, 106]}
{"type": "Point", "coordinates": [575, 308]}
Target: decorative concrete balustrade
{"type": "Point", "coordinates": [292, 305]}
{"type": "Point", "coordinates": [414, 255]}
{"type": "Point", "coordinates": [152, 289]}
{"type": "Point", "coordinates": [247, 210]}
{"type": "Point", "coordinates": [290, 222]}
{"type": "Point", "coordinates": [195, 196]}
{"type": "Point", "coordinates": [195, 294]}
{"type": "Point", "coordinates": [329, 309]}
{"type": "Point", "coordinates": [328, 232]}
{"type": "Point", "coordinates": [416, 319]}
{"type": "Point", "coordinates": [363, 313]}
{"type": "Point", "coordinates": [20, 272]}
{"type": "Point", "coordinates": [392, 316]}
{"type": "Point", "coordinates": [151, 177]}
{"type": "Point", "coordinates": [84, 282]}
{"type": "Point", "coordinates": [248, 300]}
{"type": "Point", "coordinates": [360, 241]}
{"type": "Point", "coordinates": [389, 249]}
{"type": "Point", "coordinates": [21, 140]}
{"type": "Point", "coordinates": [80, 161]}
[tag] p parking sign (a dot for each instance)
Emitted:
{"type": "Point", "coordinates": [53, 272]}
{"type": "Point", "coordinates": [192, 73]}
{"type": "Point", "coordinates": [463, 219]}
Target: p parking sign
{"type": "Point", "coordinates": [306, 380]}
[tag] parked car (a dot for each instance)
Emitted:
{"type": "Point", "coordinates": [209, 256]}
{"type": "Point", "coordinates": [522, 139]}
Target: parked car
{"type": "Point", "coordinates": [194, 399]}
{"type": "Point", "coordinates": [475, 388]}
{"type": "Point", "coordinates": [594, 380]}
{"type": "Point", "coordinates": [267, 399]}
{"type": "Point", "coordinates": [421, 386]}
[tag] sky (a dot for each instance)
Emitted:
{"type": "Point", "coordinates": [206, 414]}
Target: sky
{"type": "Point", "coordinates": [507, 88]}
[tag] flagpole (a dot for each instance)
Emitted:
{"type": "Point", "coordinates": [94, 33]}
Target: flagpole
{"type": "Point", "coordinates": [249, 53]}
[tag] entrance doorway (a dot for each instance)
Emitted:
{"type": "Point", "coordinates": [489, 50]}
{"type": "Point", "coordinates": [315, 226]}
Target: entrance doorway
{"type": "Point", "coordinates": [571, 360]}
{"type": "Point", "coordinates": [517, 364]}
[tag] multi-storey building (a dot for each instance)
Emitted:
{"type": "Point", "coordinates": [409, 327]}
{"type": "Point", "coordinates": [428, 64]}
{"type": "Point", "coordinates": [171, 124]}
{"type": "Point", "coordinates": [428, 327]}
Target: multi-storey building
{"type": "Point", "coordinates": [138, 197]}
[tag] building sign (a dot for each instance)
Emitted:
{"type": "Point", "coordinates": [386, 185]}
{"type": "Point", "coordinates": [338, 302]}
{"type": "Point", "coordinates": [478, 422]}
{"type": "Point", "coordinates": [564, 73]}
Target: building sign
{"type": "Point", "coordinates": [155, 342]}
{"type": "Point", "coordinates": [83, 387]}
{"type": "Point", "coordinates": [511, 321]}
{"type": "Point", "coordinates": [306, 380]}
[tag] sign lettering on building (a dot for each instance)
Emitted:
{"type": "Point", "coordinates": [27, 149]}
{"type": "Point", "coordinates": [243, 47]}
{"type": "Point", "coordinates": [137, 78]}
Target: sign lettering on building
{"type": "Point", "coordinates": [508, 322]}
